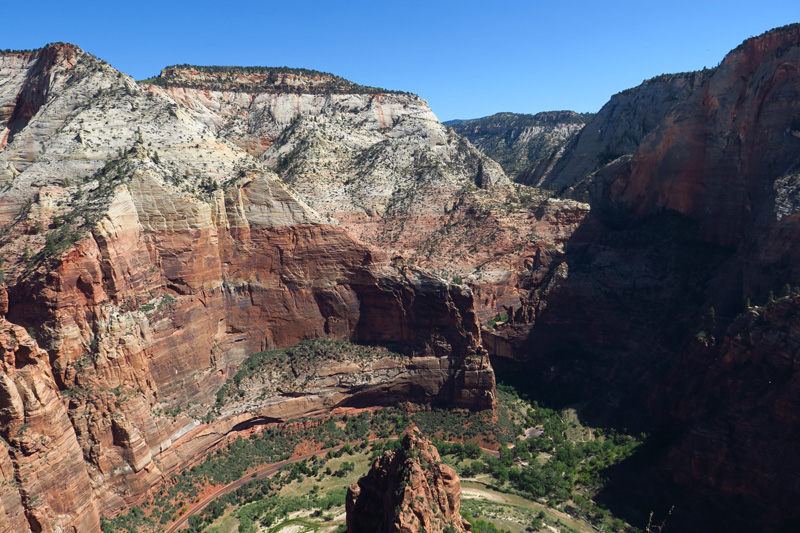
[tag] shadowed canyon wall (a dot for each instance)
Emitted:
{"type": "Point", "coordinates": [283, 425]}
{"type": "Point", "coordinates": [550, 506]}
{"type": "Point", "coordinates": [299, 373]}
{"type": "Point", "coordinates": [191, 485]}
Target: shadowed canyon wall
{"type": "Point", "coordinates": [645, 318]}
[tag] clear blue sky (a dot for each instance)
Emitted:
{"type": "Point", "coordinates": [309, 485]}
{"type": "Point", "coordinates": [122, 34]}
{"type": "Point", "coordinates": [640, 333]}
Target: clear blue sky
{"type": "Point", "coordinates": [468, 59]}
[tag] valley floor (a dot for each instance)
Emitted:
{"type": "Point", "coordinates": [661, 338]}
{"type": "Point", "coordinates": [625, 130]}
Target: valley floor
{"type": "Point", "coordinates": [526, 469]}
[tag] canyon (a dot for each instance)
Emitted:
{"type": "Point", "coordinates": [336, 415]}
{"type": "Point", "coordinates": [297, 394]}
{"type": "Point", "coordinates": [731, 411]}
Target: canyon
{"type": "Point", "coordinates": [659, 315]}
{"type": "Point", "coordinates": [148, 262]}
{"type": "Point", "coordinates": [156, 234]}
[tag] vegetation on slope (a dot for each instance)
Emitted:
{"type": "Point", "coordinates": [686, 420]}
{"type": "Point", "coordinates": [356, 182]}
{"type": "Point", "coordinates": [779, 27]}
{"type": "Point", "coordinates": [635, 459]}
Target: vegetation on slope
{"type": "Point", "coordinates": [504, 120]}
{"type": "Point", "coordinates": [779, 29]}
{"type": "Point", "coordinates": [281, 369]}
{"type": "Point", "coordinates": [88, 203]}
{"type": "Point", "coordinates": [260, 79]}
{"type": "Point", "coordinates": [556, 470]}
{"type": "Point", "coordinates": [11, 51]}
{"type": "Point", "coordinates": [667, 78]}
{"type": "Point", "coordinates": [519, 141]}
{"type": "Point", "coordinates": [561, 462]}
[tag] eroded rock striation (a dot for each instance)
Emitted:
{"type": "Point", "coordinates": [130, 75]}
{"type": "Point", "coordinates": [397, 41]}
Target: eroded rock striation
{"type": "Point", "coordinates": [149, 256]}
{"type": "Point", "coordinates": [45, 485]}
{"type": "Point", "coordinates": [378, 162]}
{"type": "Point", "coordinates": [154, 236]}
{"type": "Point", "coordinates": [409, 490]}
{"type": "Point", "coordinates": [725, 180]}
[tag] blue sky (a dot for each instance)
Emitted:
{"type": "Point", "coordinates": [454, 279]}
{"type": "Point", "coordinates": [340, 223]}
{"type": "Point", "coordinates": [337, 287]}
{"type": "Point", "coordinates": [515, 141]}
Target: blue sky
{"type": "Point", "coordinates": [468, 59]}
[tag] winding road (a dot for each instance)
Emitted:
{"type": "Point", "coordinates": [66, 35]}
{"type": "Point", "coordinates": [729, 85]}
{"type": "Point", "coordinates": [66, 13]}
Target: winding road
{"type": "Point", "coordinates": [266, 471]}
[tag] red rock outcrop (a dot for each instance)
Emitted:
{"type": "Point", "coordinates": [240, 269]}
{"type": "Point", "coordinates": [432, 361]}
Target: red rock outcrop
{"type": "Point", "coordinates": [407, 491]}
{"type": "Point", "coordinates": [45, 485]}
{"type": "Point", "coordinates": [387, 171]}
{"type": "Point", "coordinates": [138, 321]}
{"type": "Point", "coordinates": [150, 258]}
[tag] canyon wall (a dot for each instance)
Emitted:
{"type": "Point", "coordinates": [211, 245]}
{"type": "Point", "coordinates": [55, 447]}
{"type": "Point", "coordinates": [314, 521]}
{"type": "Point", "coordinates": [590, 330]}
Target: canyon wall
{"type": "Point", "coordinates": [378, 162]}
{"type": "Point", "coordinates": [648, 317]}
{"type": "Point", "coordinates": [45, 484]}
{"type": "Point", "coordinates": [154, 235]}
{"type": "Point", "coordinates": [616, 130]}
{"type": "Point", "coordinates": [144, 258]}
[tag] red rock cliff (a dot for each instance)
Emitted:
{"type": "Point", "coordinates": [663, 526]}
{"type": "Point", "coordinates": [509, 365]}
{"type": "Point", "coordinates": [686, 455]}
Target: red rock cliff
{"type": "Point", "coordinates": [638, 317]}
{"type": "Point", "coordinates": [45, 485]}
{"type": "Point", "coordinates": [149, 258]}
{"type": "Point", "coordinates": [718, 154]}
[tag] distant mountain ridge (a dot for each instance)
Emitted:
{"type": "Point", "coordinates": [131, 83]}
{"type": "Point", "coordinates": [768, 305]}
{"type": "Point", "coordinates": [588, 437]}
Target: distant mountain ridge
{"type": "Point", "coordinates": [459, 121]}
{"type": "Point", "coordinates": [260, 79]}
{"type": "Point", "coordinates": [519, 142]}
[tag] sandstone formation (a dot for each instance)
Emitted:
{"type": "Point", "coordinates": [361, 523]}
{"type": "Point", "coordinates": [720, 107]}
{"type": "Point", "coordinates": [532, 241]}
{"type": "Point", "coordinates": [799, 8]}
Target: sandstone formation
{"type": "Point", "coordinates": [638, 317]}
{"type": "Point", "coordinates": [520, 142]}
{"type": "Point", "coordinates": [381, 165]}
{"type": "Point", "coordinates": [150, 256]}
{"type": "Point", "coordinates": [409, 491]}
{"type": "Point", "coordinates": [379, 162]}
{"type": "Point", "coordinates": [616, 130]}
{"type": "Point", "coordinates": [44, 483]}
{"type": "Point", "coordinates": [153, 236]}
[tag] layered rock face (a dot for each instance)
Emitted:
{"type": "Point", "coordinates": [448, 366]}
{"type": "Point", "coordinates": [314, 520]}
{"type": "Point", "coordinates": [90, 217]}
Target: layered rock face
{"type": "Point", "coordinates": [638, 317]}
{"type": "Point", "coordinates": [252, 106]}
{"type": "Point", "coordinates": [407, 491]}
{"type": "Point", "coordinates": [150, 246]}
{"type": "Point", "coordinates": [378, 162]}
{"type": "Point", "coordinates": [149, 256]}
{"type": "Point", "coordinates": [316, 376]}
{"type": "Point", "coordinates": [15, 69]}
{"type": "Point", "coordinates": [616, 130]}
{"type": "Point", "coordinates": [520, 142]}
{"type": "Point", "coordinates": [45, 485]}
{"type": "Point", "coordinates": [381, 165]}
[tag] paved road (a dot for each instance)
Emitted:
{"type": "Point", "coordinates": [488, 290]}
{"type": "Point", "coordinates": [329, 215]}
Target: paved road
{"type": "Point", "coordinates": [267, 471]}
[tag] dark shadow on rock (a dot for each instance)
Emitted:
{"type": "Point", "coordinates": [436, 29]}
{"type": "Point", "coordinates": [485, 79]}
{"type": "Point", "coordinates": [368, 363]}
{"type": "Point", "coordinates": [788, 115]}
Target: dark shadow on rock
{"type": "Point", "coordinates": [619, 337]}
